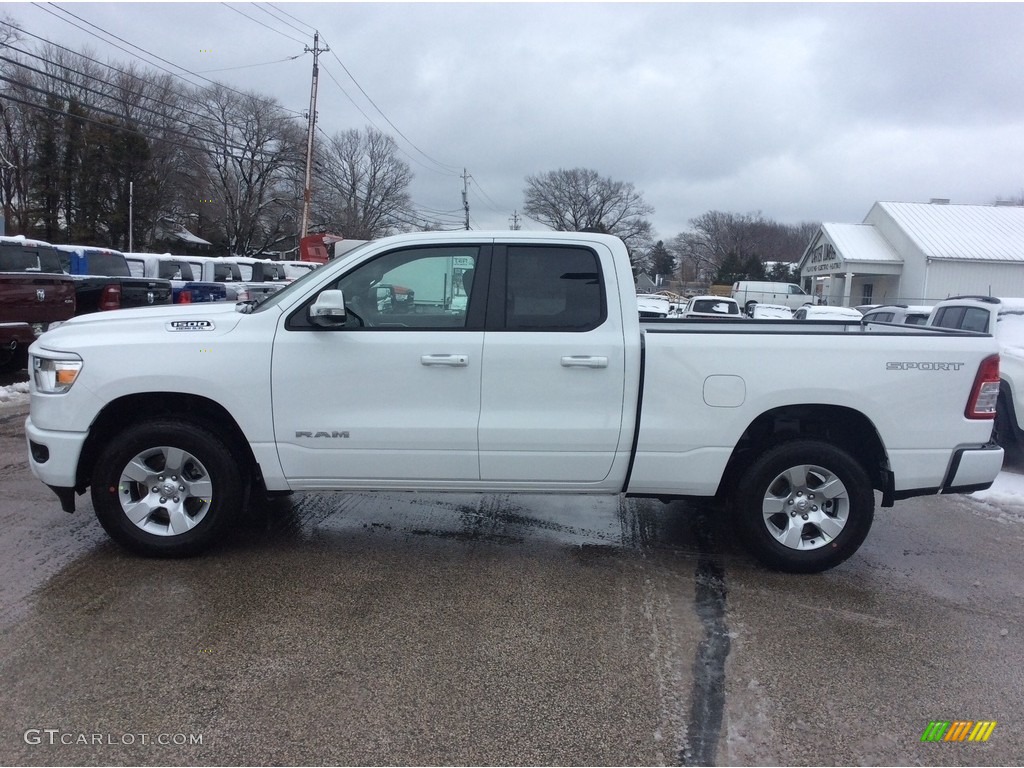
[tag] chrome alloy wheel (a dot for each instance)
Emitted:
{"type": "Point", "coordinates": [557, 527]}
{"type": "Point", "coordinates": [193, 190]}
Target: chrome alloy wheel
{"type": "Point", "coordinates": [165, 491]}
{"type": "Point", "coordinates": [806, 507]}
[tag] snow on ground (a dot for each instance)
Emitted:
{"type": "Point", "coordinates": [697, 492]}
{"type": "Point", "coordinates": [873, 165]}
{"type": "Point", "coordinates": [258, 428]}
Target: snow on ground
{"type": "Point", "coordinates": [1004, 501]}
{"type": "Point", "coordinates": [14, 393]}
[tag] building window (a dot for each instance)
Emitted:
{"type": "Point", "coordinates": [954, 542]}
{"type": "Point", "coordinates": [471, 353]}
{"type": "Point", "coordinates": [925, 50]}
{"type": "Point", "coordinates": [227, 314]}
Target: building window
{"type": "Point", "coordinates": [869, 290]}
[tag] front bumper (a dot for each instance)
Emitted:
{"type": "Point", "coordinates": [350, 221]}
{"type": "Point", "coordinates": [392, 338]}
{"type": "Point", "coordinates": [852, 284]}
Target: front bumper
{"type": "Point", "coordinates": [53, 456]}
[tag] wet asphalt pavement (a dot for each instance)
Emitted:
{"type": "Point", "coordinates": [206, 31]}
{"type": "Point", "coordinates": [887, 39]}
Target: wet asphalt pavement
{"type": "Point", "coordinates": [422, 629]}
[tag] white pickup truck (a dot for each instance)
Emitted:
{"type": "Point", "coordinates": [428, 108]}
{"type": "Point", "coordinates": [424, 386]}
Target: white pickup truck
{"type": "Point", "coordinates": [545, 380]}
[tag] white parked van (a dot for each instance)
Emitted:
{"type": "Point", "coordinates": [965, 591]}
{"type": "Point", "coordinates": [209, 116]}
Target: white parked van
{"type": "Point", "coordinates": [750, 292]}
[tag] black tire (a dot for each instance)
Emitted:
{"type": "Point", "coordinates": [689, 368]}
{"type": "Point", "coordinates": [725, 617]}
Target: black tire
{"type": "Point", "coordinates": [1004, 430]}
{"type": "Point", "coordinates": [749, 308]}
{"type": "Point", "coordinates": [820, 521]}
{"type": "Point", "coordinates": [13, 359]}
{"type": "Point", "coordinates": [179, 479]}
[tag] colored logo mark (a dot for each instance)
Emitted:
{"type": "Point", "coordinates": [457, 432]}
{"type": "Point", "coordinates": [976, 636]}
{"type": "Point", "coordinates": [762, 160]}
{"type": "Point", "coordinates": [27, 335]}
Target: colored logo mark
{"type": "Point", "coordinates": [958, 730]}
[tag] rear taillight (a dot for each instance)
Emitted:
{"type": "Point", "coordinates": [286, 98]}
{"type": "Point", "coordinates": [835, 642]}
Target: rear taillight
{"type": "Point", "coordinates": [985, 392]}
{"type": "Point", "coordinates": [111, 297]}
{"type": "Point", "coordinates": [185, 297]}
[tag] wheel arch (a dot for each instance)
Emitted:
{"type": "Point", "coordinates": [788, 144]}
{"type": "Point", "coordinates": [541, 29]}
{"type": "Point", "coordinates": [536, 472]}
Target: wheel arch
{"type": "Point", "coordinates": [837, 425]}
{"type": "Point", "coordinates": [188, 408]}
{"type": "Point", "coordinates": [1007, 391]}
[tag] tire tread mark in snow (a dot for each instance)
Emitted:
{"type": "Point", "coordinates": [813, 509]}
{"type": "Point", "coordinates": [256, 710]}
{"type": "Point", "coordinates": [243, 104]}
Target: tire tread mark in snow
{"type": "Point", "coordinates": [707, 699]}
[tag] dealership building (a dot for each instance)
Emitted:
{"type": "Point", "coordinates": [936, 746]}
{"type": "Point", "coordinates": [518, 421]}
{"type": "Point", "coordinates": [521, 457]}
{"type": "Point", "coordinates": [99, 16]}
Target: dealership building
{"type": "Point", "coordinates": [917, 253]}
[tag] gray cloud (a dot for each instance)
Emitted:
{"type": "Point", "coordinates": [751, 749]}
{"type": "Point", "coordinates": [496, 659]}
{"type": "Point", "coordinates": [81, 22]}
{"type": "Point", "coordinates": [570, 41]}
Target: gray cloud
{"type": "Point", "coordinates": [801, 111]}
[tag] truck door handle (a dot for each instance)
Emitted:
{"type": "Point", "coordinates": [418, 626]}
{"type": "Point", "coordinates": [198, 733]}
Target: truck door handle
{"type": "Point", "coordinates": [584, 361]}
{"type": "Point", "coordinates": [452, 361]}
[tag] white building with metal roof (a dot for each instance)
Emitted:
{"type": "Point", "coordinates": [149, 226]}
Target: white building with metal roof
{"type": "Point", "coordinates": [917, 253]}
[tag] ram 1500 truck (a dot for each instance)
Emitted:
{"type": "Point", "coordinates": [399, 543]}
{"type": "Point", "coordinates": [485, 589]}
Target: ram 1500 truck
{"type": "Point", "coordinates": [187, 288]}
{"type": "Point", "coordinates": [104, 281]}
{"type": "Point", "coordinates": [30, 300]}
{"type": "Point", "coordinates": [545, 380]}
{"type": "Point", "coordinates": [238, 280]}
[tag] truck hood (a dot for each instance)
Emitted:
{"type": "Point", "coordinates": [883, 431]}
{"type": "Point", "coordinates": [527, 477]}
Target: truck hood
{"type": "Point", "coordinates": [173, 319]}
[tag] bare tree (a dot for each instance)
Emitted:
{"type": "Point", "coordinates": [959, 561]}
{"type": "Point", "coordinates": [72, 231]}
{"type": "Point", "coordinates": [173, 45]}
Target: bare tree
{"type": "Point", "coordinates": [1017, 199]}
{"type": "Point", "coordinates": [716, 236]}
{"type": "Point", "coordinates": [365, 185]}
{"type": "Point", "coordinates": [17, 138]}
{"type": "Point", "coordinates": [253, 152]}
{"type": "Point", "coordinates": [579, 199]}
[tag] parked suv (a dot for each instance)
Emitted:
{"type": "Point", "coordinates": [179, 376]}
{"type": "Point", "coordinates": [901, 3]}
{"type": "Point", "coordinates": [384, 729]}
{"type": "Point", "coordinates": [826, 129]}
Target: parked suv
{"type": "Point", "coordinates": [901, 314]}
{"type": "Point", "coordinates": [1004, 319]}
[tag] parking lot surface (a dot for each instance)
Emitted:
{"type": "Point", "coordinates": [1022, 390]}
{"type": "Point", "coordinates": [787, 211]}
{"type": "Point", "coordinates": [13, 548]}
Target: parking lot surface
{"type": "Point", "coordinates": [428, 629]}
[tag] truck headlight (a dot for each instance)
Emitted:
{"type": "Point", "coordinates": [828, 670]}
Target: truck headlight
{"type": "Point", "coordinates": [54, 376]}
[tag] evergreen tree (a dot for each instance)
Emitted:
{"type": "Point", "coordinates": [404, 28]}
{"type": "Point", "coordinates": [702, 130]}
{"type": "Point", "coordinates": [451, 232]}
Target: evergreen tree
{"type": "Point", "coordinates": [662, 261]}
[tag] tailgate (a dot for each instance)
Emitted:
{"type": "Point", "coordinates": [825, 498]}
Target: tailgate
{"type": "Point", "coordinates": [39, 298]}
{"type": "Point", "coordinates": [199, 292]}
{"type": "Point", "coordinates": [142, 292]}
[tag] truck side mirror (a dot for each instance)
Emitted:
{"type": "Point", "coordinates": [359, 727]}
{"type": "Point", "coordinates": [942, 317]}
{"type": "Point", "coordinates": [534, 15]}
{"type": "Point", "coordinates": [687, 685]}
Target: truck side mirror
{"type": "Point", "coordinates": [328, 311]}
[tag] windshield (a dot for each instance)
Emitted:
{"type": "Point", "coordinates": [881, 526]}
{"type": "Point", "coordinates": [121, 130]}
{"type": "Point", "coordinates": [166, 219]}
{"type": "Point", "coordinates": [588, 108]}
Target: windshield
{"type": "Point", "coordinates": [300, 282]}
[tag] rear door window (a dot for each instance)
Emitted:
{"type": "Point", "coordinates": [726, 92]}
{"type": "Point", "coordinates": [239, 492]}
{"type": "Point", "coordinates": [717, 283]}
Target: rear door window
{"type": "Point", "coordinates": [553, 288]}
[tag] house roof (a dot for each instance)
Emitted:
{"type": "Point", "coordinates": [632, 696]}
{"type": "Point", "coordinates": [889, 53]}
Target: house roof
{"type": "Point", "coordinates": [943, 231]}
{"type": "Point", "coordinates": [176, 231]}
{"type": "Point", "coordinates": [860, 242]}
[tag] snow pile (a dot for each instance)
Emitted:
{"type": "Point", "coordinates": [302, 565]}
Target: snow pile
{"type": "Point", "coordinates": [14, 393]}
{"type": "Point", "coordinates": [1007, 493]}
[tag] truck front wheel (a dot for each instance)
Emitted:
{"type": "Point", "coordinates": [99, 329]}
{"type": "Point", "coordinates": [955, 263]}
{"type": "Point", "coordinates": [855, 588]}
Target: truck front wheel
{"type": "Point", "coordinates": [166, 488]}
{"type": "Point", "coordinates": [804, 506]}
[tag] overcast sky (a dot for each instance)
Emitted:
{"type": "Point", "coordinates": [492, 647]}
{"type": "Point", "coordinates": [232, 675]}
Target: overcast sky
{"type": "Point", "coordinates": [805, 112]}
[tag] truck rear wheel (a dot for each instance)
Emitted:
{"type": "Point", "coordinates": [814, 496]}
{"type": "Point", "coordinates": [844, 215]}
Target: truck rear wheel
{"type": "Point", "coordinates": [749, 308]}
{"type": "Point", "coordinates": [804, 506]}
{"type": "Point", "coordinates": [166, 488]}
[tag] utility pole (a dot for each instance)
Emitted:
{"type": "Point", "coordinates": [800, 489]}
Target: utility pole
{"type": "Point", "coordinates": [307, 192]}
{"type": "Point", "coordinates": [131, 213]}
{"type": "Point", "coordinates": [513, 220]}
{"type": "Point", "coordinates": [465, 195]}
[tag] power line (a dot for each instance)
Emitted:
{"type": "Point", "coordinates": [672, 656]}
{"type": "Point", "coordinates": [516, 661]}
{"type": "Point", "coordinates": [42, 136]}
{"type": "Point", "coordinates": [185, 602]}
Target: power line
{"type": "Point", "coordinates": [417, 219]}
{"type": "Point", "coordinates": [249, 66]}
{"type": "Point", "coordinates": [136, 77]}
{"type": "Point", "coordinates": [120, 127]}
{"type": "Point", "coordinates": [442, 168]}
{"type": "Point", "coordinates": [484, 197]}
{"type": "Point", "coordinates": [257, 21]}
{"type": "Point", "coordinates": [290, 16]}
{"type": "Point", "coordinates": [438, 163]}
{"type": "Point", "coordinates": [160, 58]}
{"type": "Point", "coordinates": [277, 18]}
{"type": "Point", "coordinates": [83, 118]}
{"type": "Point", "coordinates": [133, 75]}
{"type": "Point", "coordinates": [371, 122]}
{"type": "Point", "coordinates": [105, 96]}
